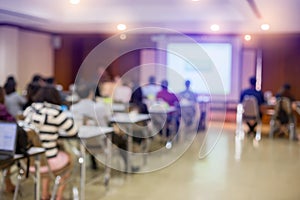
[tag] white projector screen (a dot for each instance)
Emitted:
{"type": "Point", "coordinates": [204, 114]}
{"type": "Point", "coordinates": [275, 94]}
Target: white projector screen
{"type": "Point", "coordinates": [212, 61]}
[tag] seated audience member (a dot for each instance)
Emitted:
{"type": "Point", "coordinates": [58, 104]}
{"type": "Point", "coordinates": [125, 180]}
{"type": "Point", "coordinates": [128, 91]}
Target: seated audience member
{"type": "Point", "coordinates": [187, 93]}
{"type": "Point", "coordinates": [285, 91]}
{"type": "Point", "coordinates": [50, 81]}
{"type": "Point", "coordinates": [259, 97]}
{"type": "Point", "coordinates": [171, 99]}
{"type": "Point", "coordinates": [190, 97]}
{"type": "Point", "coordinates": [122, 91]}
{"type": "Point", "coordinates": [164, 94]}
{"type": "Point", "coordinates": [137, 105]}
{"type": "Point", "coordinates": [136, 101]}
{"type": "Point", "coordinates": [120, 137]}
{"type": "Point", "coordinates": [5, 116]}
{"type": "Point", "coordinates": [106, 84]}
{"type": "Point", "coordinates": [251, 91]}
{"type": "Point", "coordinates": [283, 115]}
{"type": "Point", "coordinates": [47, 116]}
{"type": "Point", "coordinates": [151, 89]}
{"type": "Point", "coordinates": [87, 107]}
{"type": "Point", "coordinates": [36, 83]}
{"type": "Point", "coordinates": [13, 101]}
{"type": "Point", "coordinates": [103, 77]}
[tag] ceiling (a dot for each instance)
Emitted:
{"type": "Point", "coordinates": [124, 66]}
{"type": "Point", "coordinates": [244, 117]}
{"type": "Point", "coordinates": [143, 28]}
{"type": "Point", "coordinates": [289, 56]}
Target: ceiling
{"type": "Point", "coordinates": [187, 16]}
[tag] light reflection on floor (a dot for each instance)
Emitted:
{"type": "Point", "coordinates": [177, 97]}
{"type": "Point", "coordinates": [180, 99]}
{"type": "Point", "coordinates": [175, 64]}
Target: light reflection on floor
{"type": "Point", "coordinates": [235, 168]}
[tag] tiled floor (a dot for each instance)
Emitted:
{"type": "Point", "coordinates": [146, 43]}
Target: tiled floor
{"type": "Point", "coordinates": [228, 169]}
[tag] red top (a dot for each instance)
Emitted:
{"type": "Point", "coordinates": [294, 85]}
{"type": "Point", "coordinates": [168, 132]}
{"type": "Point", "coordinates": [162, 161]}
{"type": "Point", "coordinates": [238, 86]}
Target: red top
{"type": "Point", "coordinates": [4, 115]}
{"type": "Point", "coordinates": [167, 96]}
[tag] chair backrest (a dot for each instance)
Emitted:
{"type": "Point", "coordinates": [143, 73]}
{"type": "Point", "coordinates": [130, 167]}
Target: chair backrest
{"type": "Point", "coordinates": [250, 106]}
{"type": "Point", "coordinates": [36, 142]}
{"type": "Point", "coordinates": [283, 110]}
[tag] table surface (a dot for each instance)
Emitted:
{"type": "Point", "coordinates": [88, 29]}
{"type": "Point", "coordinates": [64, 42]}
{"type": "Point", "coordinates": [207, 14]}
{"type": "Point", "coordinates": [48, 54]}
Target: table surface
{"type": "Point", "coordinates": [129, 118]}
{"type": "Point", "coordinates": [161, 110]}
{"type": "Point", "coordinates": [86, 132]}
{"type": "Point", "coordinates": [119, 107]}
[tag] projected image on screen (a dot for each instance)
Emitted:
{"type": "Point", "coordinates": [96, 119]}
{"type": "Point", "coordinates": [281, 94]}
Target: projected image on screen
{"type": "Point", "coordinates": [199, 65]}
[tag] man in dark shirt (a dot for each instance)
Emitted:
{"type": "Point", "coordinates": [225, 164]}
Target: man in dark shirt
{"type": "Point", "coordinates": [253, 92]}
{"type": "Point", "coordinates": [259, 97]}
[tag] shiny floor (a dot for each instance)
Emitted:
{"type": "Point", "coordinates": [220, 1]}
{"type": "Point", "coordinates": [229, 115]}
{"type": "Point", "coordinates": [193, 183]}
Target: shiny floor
{"type": "Point", "coordinates": [223, 167]}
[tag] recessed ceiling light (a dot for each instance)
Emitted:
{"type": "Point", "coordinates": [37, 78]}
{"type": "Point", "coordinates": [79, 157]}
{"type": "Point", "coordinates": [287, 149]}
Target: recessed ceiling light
{"type": "Point", "coordinates": [74, 1]}
{"type": "Point", "coordinates": [121, 27]}
{"type": "Point", "coordinates": [247, 37]}
{"type": "Point", "coordinates": [265, 27]}
{"type": "Point", "coordinates": [215, 27]}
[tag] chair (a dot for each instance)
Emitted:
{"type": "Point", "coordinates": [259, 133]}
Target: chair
{"type": "Point", "coordinates": [55, 172]}
{"type": "Point", "coordinates": [188, 112]}
{"type": "Point", "coordinates": [251, 115]}
{"type": "Point", "coordinates": [283, 120]}
{"type": "Point", "coordinates": [4, 173]}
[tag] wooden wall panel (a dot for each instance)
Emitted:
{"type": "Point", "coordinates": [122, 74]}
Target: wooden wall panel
{"type": "Point", "coordinates": [281, 63]}
{"type": "Point", "coordinates": [280, 54]}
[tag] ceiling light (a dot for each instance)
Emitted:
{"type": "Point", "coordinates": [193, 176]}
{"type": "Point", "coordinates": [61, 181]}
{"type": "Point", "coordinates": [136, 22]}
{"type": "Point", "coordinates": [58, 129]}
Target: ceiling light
{"type": "Point", "coordinates": [121, 27]}
{"type": "Point", "coordinates": [247, 37]}
{"type": "Point", "coordinates": [195, 0]}
{"type": "Point", "coordinates": [74, 1]}
{"type": "Point", "coordinates": [215, 27]}
{"type": "Point", "coordinates": [265, 27]}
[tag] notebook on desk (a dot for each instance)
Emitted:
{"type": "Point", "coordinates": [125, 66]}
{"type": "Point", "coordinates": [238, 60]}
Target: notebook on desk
{"type": "Point", "coordinates": [8, 137]}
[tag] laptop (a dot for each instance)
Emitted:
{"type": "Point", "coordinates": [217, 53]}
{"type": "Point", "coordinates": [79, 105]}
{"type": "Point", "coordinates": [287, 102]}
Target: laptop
{"type": "Point", "coordinates": [8, 137]}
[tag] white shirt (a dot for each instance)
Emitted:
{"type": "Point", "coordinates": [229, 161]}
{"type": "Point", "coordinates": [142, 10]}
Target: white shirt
{"type": "Point", "coordinates": [122, 94]}
{"type": "Point", "coordinates": [14, 103]}
{"type": "Point", "coordinates": [150, 90]}
{"type": "Point", "coordinates": [49, 119]}
{"type": "Point", "coordinates": [97, 111]}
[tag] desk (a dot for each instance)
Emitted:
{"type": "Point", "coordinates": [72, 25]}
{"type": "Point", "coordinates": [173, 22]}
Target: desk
{"type": "Point", "coordinates": [36, 152]}
{"type": "Point", "coordinates": [267, 111]}
{"type": "Point", "coordinates": [129, 120]}
{"type": "Point", "coordinates": [89, 132]}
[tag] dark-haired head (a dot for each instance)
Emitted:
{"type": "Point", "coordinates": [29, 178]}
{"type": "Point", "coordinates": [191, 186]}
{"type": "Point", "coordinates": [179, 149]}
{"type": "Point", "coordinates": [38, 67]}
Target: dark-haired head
{"type": "Point", "coordinates": [152, 80]}
{"type": "Point", "coordinates": [50, 80]}
{"type": "Point", "coordinates": [164, 84]}
{"type": "Point", "coordinates": [187, 83]}
{"type": "Point", "coordinates": [48, 94]}
{"type": "Point", "coordinates": [252, 81]}
{"type": "Point", "coordinates": [10, 79]}
{"type": "Point", "coordinates": [10, 86]}
{"type": "Point", "coordinates": [36, 78]}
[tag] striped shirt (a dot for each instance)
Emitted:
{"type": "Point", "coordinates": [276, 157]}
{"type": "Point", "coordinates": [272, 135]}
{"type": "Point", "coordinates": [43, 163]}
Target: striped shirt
{"type": "Point", "coordinates": [50, 121]}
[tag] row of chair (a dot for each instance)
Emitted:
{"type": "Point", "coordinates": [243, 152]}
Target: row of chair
{"type": "Point", "coordinates": [282, 120]}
